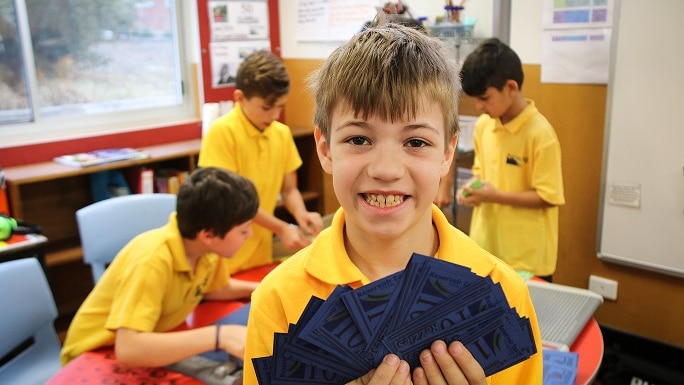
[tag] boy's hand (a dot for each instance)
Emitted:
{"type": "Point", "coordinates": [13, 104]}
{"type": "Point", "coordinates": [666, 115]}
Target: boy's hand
{"type": "Point", "coordinates": [453, 365]}
{"type": "Point", "coordinates": [391, 371]}
{"type": "Point", "coordinates": [475, 192]}
{"type": "Point", "coordinates": [232, 340]}
{"type": "Point", "coordinates": [292, 238]}
{"type": "Point", "coordinates": [311, 223]}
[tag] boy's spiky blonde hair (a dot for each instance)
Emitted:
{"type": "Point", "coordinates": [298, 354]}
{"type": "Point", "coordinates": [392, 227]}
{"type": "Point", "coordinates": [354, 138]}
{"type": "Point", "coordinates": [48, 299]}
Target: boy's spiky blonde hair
{"type": "Point", "coordinates": [388, 71]}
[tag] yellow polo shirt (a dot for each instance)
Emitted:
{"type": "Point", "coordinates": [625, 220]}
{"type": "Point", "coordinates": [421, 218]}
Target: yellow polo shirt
{"type": "Point", "coordinates": [316, 270]}
{"type": "Point", "coordinates": [149, 287]}
{"type": "Point", "coordinates": [264, 157]}
{"type": "Point", "coordinates": [524, 154]}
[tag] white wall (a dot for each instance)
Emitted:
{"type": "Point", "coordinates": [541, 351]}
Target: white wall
{"type": "Point", "coordinates": [525, 36]}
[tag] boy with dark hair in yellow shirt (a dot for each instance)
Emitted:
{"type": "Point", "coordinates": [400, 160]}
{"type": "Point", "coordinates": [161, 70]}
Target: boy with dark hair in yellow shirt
{"type": "Point", "coordinates": [161, 275]}
{"type": "Point", "coordinates": [517, 165]}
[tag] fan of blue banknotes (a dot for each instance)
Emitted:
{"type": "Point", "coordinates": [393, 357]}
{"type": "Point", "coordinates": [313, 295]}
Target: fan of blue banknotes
{"type": "Point", "coordinates": [342, 338]}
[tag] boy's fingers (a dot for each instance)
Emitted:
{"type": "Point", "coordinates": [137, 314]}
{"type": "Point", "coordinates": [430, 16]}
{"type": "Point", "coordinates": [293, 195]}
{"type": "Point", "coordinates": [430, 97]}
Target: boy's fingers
{"type": "Point", "coordinates": [467, 365]}
{"type": "Point", "coordinates": [391, 371]}
{"type": "Point", "coordinates": [453, 366]}
{"type": "Point", "coordinates": [440, 367]}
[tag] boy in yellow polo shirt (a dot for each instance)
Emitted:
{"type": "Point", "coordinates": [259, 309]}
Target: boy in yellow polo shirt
{"type": "Point", "coordinates": [518, 163]}
{"type": "Point", "coordinates": [160, 276]}
{"type": "Point", "coordinates": [386, 125]}
{"type": "Point", "coordinates": [250, 141]}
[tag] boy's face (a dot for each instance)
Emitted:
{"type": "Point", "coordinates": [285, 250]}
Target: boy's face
{"type": "Point", "coordinates": [496, 103]}
{"type": "Point", "coordinates": [231, 242]}
{"type": "Point", "coordinates": [258, 111]}
{"type": "Point", "coordinates": [386, 174]}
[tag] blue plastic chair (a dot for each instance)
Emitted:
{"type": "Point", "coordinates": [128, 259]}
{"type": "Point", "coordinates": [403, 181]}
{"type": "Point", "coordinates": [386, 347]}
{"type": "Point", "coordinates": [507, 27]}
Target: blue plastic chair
{"type": "Point", "coordinates": [29, 345]}
{"type": "Point", "coordinates": [105, 227]}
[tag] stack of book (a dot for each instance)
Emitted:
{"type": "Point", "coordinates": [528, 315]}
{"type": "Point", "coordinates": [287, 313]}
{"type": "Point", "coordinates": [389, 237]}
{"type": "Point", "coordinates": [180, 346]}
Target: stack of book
{"type": "Point", "coordinates": [93, 158]}
{"type": "Point", "coordinates": [168, 180]}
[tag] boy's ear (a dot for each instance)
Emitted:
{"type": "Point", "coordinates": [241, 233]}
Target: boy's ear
{"type": "Point", "coordinates": [449, 153]}
{"type": "Point", "coordinates": [238, 96]}
{"type": "Point", "coordinates": [205, 236]}
{"type": "Point", "coordinates": [511, 85]}
{"type": "Point", "coordinates": [323, 150]}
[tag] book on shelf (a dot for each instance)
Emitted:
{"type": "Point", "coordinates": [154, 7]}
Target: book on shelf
{"type": "Point", "coordinates": [92, 158]}
{"type": "Point", "coordinates": [140, 179]}
{"type": "Point", "coordinates": [169, 180]}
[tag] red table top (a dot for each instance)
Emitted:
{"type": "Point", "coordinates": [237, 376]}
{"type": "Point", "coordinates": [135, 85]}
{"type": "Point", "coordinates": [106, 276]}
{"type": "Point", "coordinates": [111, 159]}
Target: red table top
{"type": "Point", "coordinates": [101, 364]}
{"type": "Point", "coordinates": [589, 346]}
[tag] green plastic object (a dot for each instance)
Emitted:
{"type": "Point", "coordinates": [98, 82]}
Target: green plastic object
{"type": "Point", "coordinates": [475, 184]}
{"type": "Point", "coordinates": [7, 225]}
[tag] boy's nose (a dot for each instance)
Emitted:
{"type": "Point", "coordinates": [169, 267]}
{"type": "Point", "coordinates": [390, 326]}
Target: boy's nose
{"type": "Point", "coordinates": [275, 114]}
{"type": "Point", "coordinates": [386, 165]}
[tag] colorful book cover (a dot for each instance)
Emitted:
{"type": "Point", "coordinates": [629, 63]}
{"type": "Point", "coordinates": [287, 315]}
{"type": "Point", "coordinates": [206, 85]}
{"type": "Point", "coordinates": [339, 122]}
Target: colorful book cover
{"type": "Point", "coordinates": [92, 158]}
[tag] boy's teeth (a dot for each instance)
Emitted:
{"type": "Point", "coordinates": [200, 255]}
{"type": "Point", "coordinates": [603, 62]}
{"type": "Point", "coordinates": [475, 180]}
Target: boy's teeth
{"type": "Point", "coordinates": [384, 200]}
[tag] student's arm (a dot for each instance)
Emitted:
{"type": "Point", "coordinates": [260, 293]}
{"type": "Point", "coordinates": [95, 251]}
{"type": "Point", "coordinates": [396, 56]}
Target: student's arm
{"type": "Point", "coordinates": [289, 234]}
{"type": "Point", "coordinates": [235, 289]}
{"type": "Point", "coordinates": [310, 222]}
{"type": "Point", "coordinates": [445, 194]}
{"type": "Point", "coordinates": [143, 349]}
{"type": "Point", "coordinates": [489, 194]}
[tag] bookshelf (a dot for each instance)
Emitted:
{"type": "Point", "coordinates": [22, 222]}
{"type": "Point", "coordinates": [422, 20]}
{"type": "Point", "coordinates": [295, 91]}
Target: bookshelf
{"type": "Point", "coordinates": [49, 193]}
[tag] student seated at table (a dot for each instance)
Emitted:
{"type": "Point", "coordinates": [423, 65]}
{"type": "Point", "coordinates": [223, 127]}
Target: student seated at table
{"type": "Point", "coordinates": [157, 280]}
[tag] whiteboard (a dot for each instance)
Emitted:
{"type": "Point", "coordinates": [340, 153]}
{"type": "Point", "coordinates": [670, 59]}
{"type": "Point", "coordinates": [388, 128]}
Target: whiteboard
{"type": "Point", "coordinates": [641, 220]}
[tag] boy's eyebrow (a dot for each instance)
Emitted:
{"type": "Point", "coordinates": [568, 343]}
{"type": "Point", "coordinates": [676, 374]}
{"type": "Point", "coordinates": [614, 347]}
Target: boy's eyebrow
{"type": "Point", "coordinates": [363, 124]}
{"type": "Point", "coordinates": [352, 122]}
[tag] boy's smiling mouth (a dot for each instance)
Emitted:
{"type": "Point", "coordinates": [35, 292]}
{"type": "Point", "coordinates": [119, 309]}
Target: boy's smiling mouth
{"type": "Point", "coordinates": [381, 200]}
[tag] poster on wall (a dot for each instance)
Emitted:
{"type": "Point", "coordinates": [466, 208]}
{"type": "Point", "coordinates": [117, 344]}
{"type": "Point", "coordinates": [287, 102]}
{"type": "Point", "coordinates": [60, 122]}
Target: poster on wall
{"type": "Point", "coordinates": [238, 20]}
{"type": "Point", "coordinates": [576, 41]}
{"type": "Point", "coordinates": [332, 20]}
{"type": "Point", "coordinates": [227, 56]}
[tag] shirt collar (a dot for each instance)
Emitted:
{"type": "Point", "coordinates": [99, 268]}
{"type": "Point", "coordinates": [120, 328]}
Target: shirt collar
{"type": "Point", "coordinates": [248, 127]}
{"type": "Point", "coordinates": [175, 244]}
{"type": "Point", "coordinates": [519, 121]}
{"type": "Point", "coordinates": [328, 261]}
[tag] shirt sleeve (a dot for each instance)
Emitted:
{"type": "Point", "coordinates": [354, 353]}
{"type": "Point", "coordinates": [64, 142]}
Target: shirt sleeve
{"type": "Point", "coordinates": [547, 178]}
{"type": "Point", "coordinates": [136, 303]}
{"type": "Point", "coordinates": [218, 147]}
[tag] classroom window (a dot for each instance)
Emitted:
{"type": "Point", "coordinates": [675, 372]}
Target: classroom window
{"type": "Point", "coordinates": [71, 67]}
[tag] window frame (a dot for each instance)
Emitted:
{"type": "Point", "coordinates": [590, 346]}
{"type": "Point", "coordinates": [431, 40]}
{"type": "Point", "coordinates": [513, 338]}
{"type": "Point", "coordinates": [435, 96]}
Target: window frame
{"type": "Point", "coordinates": [50, 129]}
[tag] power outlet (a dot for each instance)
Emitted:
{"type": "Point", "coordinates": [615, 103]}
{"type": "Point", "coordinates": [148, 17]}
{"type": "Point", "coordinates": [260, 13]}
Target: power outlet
{"type": "Point", "coordinates": [603, 286]}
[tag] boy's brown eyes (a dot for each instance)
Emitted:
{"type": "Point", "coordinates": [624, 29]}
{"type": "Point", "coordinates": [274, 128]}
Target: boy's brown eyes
{"type": "Point", "coordinates": [417, 143]}
{"type": "Point", "coordinates": [357, 140]}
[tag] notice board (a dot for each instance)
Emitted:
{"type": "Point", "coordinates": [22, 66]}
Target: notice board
{"type": "Point", "coordinates": [641, 220]}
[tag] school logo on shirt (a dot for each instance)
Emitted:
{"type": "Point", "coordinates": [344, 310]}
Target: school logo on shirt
{"type": "Point", "coordinates": [198, 290]}
{"type": "Point", "coordinates": [515, 160]}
